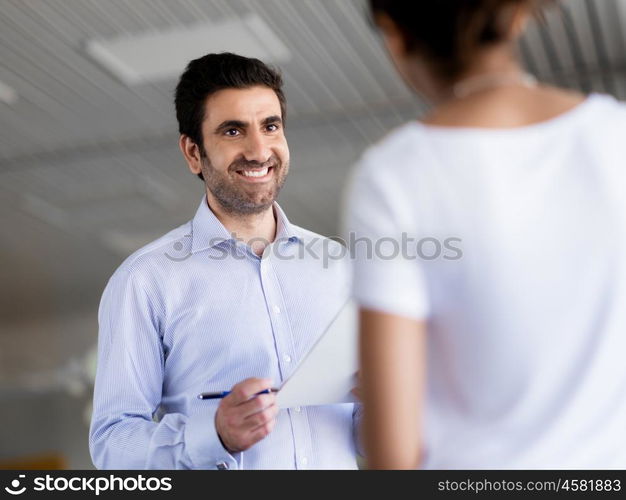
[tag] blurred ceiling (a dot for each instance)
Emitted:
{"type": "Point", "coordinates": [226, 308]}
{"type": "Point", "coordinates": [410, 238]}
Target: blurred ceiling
{"type": "Point", "coordinates": [89, 167]}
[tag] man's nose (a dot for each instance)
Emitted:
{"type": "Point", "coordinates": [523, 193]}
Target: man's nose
{"type": "Point", "coordinates": [257, 148]}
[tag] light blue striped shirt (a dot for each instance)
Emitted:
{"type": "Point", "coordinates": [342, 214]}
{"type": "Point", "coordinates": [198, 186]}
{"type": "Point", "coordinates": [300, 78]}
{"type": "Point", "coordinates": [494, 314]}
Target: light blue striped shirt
{"type": "Point", "coordinates": [196, 311]}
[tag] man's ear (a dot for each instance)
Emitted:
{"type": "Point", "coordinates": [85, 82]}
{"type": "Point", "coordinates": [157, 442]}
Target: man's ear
{"type": "Point", "coordinates": [191, 152]}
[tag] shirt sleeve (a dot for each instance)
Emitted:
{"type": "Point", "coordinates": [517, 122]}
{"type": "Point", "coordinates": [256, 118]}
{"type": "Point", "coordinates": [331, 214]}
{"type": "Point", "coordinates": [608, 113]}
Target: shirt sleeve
{"type": "Point", "coordinates": [381, 227]}
{"type": "Point", "coordinates": [128, 389]}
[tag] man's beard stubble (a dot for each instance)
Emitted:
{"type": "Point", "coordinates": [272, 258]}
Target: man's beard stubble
{"type": "Point", "coordinates": [232, 197]}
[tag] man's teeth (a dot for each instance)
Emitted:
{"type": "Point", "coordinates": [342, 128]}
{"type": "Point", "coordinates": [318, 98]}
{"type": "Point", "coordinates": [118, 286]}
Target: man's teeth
{"type": "Point", "coordinates": [256, 173]}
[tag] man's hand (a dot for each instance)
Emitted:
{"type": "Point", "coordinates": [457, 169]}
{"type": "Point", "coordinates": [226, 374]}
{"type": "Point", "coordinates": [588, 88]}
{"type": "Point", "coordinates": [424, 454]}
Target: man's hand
{"type": "Point", "coordinates": [243, 419]}
{"type": "Point", "coordinates": [356, 390]}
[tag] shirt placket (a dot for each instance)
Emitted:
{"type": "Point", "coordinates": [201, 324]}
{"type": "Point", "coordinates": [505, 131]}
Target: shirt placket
{"type": "Point", "coordinates": [287, 357]}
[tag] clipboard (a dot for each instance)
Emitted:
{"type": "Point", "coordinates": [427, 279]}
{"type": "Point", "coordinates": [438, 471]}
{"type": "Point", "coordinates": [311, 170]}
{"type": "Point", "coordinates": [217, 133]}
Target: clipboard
{"type": "Point", "coordinates": [327, 373]}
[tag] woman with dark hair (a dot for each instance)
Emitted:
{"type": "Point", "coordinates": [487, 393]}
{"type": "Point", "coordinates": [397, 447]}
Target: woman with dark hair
{"type": "Point", "coordinates": [496, 339]}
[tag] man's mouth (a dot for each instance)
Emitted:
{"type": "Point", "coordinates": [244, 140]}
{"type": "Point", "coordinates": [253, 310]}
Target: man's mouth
{"type": "Point", "coordinates": [256, 174]}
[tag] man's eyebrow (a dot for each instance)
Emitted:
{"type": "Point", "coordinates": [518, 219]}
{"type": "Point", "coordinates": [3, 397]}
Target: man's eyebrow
{"type": "Point", "coordinates": [230, 124]}
{"type": "Point", "coordinates": [272, 119]}
{"type": "Point", "coordinates": [227, 124]}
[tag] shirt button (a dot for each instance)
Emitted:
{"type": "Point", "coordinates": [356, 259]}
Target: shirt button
{"type": "Point", "coordinates": [304, 460]}
{"type": "Point", "coordinates": [298, 409]}
{"type": "Point", "coordinates": [287, 358]}
{"type": "Point", "coordinates": [276, 309]}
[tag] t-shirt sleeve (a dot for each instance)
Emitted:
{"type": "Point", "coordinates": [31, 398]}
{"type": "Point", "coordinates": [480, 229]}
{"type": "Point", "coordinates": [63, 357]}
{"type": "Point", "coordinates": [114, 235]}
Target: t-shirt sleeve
{"type": "Point", "coordinates": [380, 227]}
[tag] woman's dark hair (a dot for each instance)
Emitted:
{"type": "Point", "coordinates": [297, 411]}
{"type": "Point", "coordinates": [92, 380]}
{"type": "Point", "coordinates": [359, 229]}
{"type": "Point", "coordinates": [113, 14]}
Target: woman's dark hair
{"type": "Point", "coordinates": [449, 32]}
{"type": "Point", "coordinates": [211, 73]}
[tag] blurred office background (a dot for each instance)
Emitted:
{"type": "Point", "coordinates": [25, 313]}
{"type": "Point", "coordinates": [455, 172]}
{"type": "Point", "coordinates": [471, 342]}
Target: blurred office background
{"type": "Point", "coordinates": [90, 170]}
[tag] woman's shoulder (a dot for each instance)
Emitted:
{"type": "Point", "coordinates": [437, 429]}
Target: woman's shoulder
{"type": "Point", "coordinates": [395, 145]}
{"type": "Point", "coordinates": [608, 106]}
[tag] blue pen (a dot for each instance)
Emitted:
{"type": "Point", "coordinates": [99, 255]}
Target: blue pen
{"type": "Point", "coordinates": [223, 394]}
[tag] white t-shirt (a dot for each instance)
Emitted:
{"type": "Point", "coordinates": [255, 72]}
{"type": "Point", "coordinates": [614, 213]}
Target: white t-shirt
{"type": "Point", "coordinates": [516, 258]}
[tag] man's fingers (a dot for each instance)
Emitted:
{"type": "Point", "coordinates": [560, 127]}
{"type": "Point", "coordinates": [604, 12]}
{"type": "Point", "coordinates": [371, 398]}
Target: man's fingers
{"type": "Point", "coordinates": [254, 405]}
{"type": "Point", "coordinates": [236, 414]}
{"type": "Point", "coordinates": [241, 426]}
{"type": "Point", "coordinates": [262, 431]}
{"type": "Point", "coordinates": [248, 388]}
{"type": "Point", "coordinates": [254, 436]}
{"type": "Point", "coordinates": [262, 417]}
{"type": "Point", "coordinates": [258, 403]}
{"type": "Point", "coordinates": [245, 416]}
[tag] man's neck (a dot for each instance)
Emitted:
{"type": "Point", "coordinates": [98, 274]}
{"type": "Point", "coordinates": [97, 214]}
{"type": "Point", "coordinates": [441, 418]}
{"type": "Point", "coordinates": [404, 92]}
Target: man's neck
{"type": "Point", "coordinates": [255, 230]}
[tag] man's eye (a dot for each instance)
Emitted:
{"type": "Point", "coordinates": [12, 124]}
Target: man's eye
{"type": "Point", "coordinates": [272, 127]}
{"type": "Point", "coordinates": [233, 132]}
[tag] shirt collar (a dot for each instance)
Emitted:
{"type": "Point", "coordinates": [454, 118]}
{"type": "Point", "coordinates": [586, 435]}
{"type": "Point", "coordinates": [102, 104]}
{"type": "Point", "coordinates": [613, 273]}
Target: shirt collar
{"type": "Point", "coordinates": [208, 231]}
{"type": "Point", "coordinates": [285, 231]}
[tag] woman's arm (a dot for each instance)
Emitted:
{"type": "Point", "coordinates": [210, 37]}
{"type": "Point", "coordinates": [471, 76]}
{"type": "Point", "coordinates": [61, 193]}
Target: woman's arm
{"type": "Point", "coordinates": [393, 370]}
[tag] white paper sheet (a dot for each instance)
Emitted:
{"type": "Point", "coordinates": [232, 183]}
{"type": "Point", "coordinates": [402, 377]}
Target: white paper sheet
{"type": "Point", "coordinates": [327, 374]}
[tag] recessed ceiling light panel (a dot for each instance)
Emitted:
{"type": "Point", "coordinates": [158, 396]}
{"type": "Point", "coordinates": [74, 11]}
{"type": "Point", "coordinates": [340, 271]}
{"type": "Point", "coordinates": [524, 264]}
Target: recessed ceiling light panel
{"type": "Point", "coordinates": [160, 56]}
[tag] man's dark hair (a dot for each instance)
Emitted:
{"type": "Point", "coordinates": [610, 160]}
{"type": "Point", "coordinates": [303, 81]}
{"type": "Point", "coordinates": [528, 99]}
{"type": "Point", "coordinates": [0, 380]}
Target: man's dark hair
{"type": "Point", "coordinates": [211, 73]}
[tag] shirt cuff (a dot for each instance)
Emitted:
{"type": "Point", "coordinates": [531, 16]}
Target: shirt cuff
{"type": "Point", "coordinates": [203, 445]}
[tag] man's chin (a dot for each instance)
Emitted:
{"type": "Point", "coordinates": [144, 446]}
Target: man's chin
{"type": "Point", "coordinates": [258, 202]}
{"type": "Point", "coordinates": [248, 208]}
{"type": "Point", "coordinates": [246, 201]}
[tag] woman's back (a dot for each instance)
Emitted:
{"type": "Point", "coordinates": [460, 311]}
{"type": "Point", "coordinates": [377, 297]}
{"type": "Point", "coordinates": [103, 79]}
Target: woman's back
{"type": "Point", "coordinates": [496, 339]}
{"type": "Point", "coordinates": [525, 296]}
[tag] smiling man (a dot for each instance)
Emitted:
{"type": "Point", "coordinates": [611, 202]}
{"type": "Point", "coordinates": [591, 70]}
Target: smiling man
{"type": "Point", "coordinates": [232, 300]}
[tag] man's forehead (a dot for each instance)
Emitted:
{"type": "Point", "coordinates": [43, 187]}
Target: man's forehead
{"type": "Point", "coordinates": [257, 102]}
